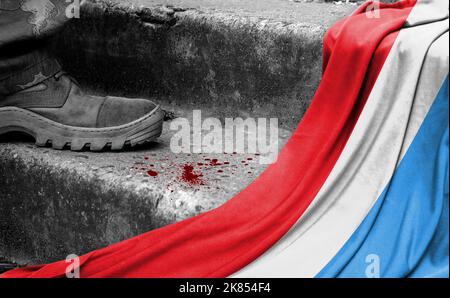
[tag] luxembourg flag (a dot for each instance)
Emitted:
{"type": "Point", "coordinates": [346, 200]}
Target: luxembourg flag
{"type": "Point", "coordinates": [360, 190]}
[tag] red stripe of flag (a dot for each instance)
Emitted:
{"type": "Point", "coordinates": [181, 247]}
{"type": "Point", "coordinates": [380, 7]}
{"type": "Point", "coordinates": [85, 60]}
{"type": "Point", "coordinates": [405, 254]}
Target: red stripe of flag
{"type": "Point", "coordinates": [224, 240]}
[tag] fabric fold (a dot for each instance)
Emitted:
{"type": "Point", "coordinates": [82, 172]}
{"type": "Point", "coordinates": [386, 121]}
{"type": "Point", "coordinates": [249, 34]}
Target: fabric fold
{"type": "Point", "coordinates": [394, 111]}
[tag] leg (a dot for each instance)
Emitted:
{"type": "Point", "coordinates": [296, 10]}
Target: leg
{"type": "Point", "coordinates": [22, 24]}
{"type": "Point", "coordinates": [37, 97]}
{"type": "Point", "coordinates": [30, 19]}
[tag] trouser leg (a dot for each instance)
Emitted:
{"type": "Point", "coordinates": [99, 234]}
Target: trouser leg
{"type": "Point", "coordinates": [23, 26]}
{"type": "Point", "coordinates": [38, 98]}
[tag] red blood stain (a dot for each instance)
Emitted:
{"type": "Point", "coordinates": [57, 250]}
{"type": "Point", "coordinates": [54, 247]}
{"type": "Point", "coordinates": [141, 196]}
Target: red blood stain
{"type": "Point", "coordinates": [190, 177]}
{"type": "Point", "coordinates": [214, 162]}
{"type": "Point", "coordinates": [226, 163]}
{"type": "Point", "coordinates": [249, 158]}
{"type": "Point", "coordinates": [200, 164]}
{"type": "Point", "coordinates": [152, 173]}
{"type": "Point", "coordinates": [219, 171]}
{"type": "Point", "coordinates": [146, 157]}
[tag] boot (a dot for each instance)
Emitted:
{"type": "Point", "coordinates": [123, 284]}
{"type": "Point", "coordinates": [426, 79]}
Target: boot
{"type": "Point", "coordinates": [56, 112]}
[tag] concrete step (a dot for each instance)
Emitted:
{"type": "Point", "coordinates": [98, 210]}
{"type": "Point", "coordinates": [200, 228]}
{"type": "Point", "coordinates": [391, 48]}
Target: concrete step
{"type": "Point", "coordinates": [238, 59]}
{"type": "Point", "coordinates": [54, 203]}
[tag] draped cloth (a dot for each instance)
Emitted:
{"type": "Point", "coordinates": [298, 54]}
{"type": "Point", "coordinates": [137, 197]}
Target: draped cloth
{"type": "Point", "coordinates": [363, 177]}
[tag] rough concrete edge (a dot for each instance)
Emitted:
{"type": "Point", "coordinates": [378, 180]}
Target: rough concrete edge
{"type": "Point", "coordinates": [114, 211]}
{"type": "Point", "coordinates": [263, 78]}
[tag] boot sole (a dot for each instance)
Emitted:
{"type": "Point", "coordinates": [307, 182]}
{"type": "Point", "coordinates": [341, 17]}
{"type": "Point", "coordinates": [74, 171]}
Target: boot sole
{"type": "Point", "coordinates": [47, 132]}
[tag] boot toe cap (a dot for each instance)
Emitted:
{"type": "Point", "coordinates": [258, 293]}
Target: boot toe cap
{"type": "Point", "coordinates": [117, 111]}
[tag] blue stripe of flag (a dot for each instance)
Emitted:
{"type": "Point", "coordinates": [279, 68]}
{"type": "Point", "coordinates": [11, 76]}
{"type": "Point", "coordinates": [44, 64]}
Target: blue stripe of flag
{"type": "Point", "coordinates": [406, 233]}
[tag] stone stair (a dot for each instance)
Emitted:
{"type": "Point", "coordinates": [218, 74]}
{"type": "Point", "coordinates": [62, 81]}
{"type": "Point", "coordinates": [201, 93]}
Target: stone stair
{"type": "Point", "coordinates": [236, 60]}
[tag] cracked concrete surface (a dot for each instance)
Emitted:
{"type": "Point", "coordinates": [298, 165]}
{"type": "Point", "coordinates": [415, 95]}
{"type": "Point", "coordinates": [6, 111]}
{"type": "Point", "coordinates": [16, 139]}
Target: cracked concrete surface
{"type": "Point", "coordinates": [63, 202]}
{"type": "Point", "coordinates": [288, 11]}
